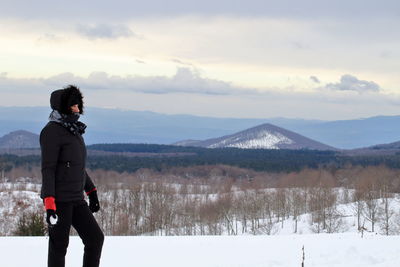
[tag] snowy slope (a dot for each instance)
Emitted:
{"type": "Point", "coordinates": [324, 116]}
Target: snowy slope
{"type": "Point", "coordinates": [260, 139]}
{"type": "Point", "coordinates": [328, 250]}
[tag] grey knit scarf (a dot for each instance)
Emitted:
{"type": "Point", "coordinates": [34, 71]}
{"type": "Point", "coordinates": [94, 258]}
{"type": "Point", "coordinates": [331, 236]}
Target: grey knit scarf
{"type": "Point", "coordinates": [70, 122]}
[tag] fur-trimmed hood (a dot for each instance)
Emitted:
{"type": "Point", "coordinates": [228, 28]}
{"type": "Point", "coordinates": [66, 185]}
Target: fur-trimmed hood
{"type": "Point", "coordinates": [62, 99]}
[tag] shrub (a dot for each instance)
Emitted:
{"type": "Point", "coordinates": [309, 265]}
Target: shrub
{"type": "Point", "coordinates": [31, 224]}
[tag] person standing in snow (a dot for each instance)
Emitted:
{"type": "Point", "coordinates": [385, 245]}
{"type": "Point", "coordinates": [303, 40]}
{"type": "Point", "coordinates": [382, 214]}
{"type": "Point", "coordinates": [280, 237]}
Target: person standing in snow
{"type": "Point", "coordinates": [64, 180]}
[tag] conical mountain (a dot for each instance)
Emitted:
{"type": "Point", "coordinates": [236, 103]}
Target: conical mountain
{"type": "Point", "coordinates": [265, 136]}
{"type": "Point", "coordinates": [19, 139]}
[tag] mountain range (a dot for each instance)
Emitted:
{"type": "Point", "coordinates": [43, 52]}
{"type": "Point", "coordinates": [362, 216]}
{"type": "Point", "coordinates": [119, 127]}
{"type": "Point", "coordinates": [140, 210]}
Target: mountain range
{"type": "Point", "coordinates": [265, 136]}
{"type": "Point", "coordinates": [123, 126]}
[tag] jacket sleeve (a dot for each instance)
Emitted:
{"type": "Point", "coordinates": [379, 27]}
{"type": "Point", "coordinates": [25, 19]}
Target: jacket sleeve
{"type": "Point", "coordinates": [50, 147]}
{"type": "Point", "coordinates": [89, 185]}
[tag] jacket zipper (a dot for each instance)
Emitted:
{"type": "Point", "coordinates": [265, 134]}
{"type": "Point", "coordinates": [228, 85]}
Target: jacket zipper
{"type": "Point", "coordinates": [68, 164]}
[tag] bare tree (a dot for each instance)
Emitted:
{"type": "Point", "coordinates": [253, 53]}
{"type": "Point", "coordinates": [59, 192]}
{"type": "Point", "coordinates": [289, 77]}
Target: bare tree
{"type": "Point", "coordinates": [371, 187]}
{"type": "Point", "coordinates": [296, 204]}
{"type": "Point", "coordinates": [386, 211]}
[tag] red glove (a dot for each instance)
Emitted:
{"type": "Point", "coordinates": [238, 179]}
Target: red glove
{"type": "Point", "coordinates": [50, 206]}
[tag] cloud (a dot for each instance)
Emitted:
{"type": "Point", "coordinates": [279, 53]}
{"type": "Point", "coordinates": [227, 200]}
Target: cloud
{"type": "Point", "coordinates": [178, 61]}
{"type": "Point", "coordinates": [188, 92]}
{"type": "Point", "coordinates": [351, 83]}
{"type": "Point", "coordinates": [210, 41]}
{"type": "Point", "coordinates": [315, 79]}
{"type": "Point", "coordinates": [104, 31]}
{"type": "Point", "coordinates": [50, 37]}
{"type": "Point", "coordinates": [185, 80]}
{"type": "Point", "coordinates": [299, 45]}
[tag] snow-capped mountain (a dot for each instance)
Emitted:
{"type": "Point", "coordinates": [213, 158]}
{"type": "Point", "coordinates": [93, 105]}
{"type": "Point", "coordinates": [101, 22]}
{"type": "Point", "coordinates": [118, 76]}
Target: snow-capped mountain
{"type": "Point", "coordinates": [266, 136]}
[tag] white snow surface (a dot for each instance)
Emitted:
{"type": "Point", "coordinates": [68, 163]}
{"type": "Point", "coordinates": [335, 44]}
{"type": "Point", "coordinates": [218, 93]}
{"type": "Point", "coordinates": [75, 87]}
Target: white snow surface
{"type": "Point", "coordinates": [345, 249]}
{"type": "Point", "coordinates": [263, 139]}
{"type": "Point", "coordinates": [283, 248]}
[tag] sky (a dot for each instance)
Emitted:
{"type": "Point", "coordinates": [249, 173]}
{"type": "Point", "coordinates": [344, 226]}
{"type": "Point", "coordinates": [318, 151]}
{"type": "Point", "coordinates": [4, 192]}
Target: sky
{"type": "Point", "coordinates": [311, 59]}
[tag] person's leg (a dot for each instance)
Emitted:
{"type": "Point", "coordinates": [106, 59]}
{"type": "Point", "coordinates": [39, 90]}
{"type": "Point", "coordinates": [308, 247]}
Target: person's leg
{"type": "Point", "coordinates": [59, 236]}
{"type": "Point", "coordinates": [89, 231]}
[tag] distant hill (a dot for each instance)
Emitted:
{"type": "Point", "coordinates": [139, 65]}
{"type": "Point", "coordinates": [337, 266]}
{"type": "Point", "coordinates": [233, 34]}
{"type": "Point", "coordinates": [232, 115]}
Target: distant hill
{"type": "Point", "coordinates": [19, 139]}
{"type": "Point", "coordinates": [382, 149]}
{"type": "Point", "coordinates": [265, 136]}
{"type": "Point", "coordinates": [350, 134]}
{"type": "Point", "coordinates": [391, 146]}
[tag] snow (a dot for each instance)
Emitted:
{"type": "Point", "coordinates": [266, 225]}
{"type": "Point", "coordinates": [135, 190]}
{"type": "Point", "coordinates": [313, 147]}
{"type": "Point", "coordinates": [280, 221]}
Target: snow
{"type": "Point", "coordinates": [16, 198]}
{"type": "Point", "coordinates": [283, 248]}
{"type": "Point", "coordinates": [262, 139]}
{"type": "Point", "coordinates": [345, 249]}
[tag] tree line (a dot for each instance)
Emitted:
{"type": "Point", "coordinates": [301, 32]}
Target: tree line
{"type": "Point", "coordinates": [270, 160]}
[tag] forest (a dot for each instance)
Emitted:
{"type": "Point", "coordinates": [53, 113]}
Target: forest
{"type": "Point", "coordinates": [132, 157]}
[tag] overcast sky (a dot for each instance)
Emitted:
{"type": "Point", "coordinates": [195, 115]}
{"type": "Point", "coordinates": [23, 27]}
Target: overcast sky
{"type": "Point", "coordinates": [300, 59]}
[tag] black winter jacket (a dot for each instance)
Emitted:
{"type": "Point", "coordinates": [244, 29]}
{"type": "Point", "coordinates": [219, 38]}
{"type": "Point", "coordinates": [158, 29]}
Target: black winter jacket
{"type": "Point", "coordinates": [63, 164]}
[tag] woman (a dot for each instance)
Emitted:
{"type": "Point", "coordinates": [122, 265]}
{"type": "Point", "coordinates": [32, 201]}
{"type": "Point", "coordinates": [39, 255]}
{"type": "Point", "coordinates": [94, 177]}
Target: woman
{"type": "Point", "coordinates": [64, 179]}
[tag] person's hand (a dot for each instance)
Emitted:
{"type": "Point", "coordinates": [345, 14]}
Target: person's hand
{"type": "Point", "coordinates": [51, 217]}
{"type": "Point", "coordinates": [94, 204]}
{"type": "Point", "coordinates": [50, 205]}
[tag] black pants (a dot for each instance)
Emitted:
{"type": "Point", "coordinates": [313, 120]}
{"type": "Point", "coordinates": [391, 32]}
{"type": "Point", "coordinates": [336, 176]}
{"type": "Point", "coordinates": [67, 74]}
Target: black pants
{"type": "Point", "coordinates": [81, 218]}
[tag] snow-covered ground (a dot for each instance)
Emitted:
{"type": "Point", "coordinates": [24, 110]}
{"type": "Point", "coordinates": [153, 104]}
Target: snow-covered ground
{"type": "Point", "coordinates": [345, 249]}
{"type": "Point", "coordinates": [282, 248]}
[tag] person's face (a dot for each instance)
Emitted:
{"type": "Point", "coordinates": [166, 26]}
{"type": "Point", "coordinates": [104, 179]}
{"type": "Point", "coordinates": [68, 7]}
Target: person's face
{"type": "Point", "coordinates": [75, 108]}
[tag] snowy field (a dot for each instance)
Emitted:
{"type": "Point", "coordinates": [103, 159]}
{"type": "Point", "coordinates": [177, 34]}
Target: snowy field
{"type": "Point", "coordinates": [282, 248]}
{"type": "Point", "coordinates": [345, 249]}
